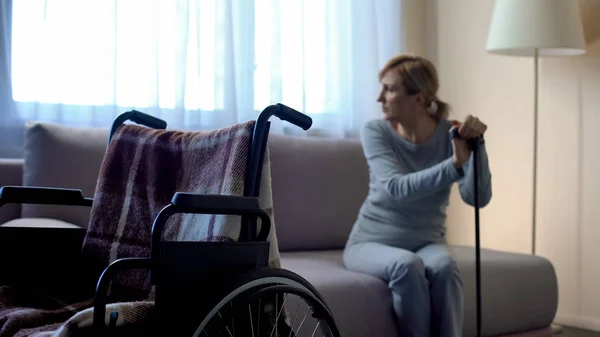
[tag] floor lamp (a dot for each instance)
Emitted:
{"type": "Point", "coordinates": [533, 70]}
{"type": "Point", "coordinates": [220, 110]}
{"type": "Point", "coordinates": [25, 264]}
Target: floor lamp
{"type": "Point", "coordinates": [536, 28]}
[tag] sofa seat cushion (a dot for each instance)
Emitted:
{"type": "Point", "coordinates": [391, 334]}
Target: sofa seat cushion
{"type": "Point", "coordinates": [360, 303]}
{"type": "Point", "coordinates": [38, 223]}
{"type": "Point", "coordinates": [519, 292]}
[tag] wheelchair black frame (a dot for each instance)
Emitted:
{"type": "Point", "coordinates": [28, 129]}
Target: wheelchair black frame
{"type": "Point", "coordinates": [247, 207]}
{"type": "Point", "coordinates": [71, 238]}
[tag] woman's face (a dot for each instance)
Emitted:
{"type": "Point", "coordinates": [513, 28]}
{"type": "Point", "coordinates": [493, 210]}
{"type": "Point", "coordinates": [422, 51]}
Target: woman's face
{"type": "Point", "coordinates": [395, 103]}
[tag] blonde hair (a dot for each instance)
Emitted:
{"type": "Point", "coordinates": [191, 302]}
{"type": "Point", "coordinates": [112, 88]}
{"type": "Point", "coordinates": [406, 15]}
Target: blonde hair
{"type": "Point", "coordinates": [418, 75]}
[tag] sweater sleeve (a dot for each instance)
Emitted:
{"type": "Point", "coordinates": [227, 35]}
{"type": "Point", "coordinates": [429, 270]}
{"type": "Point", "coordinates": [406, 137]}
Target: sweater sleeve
{"type": "Point", "coordinates": [386, 168]}
{"type": "Point", "coordinates": [466, 184]}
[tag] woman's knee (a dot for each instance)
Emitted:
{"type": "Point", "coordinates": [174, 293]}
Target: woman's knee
{"type": "Point", "coordinates": [408, 266]}
{"type": "Point", "coordinates": [358, 258]}
{"type": "Point", "coordinates": [444, 268]}
{"type": "Point", "coordinates": [389, 263]}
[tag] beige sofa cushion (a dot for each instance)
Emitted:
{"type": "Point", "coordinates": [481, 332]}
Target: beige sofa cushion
{"type": "Point", "coordinates": [519, 292]}
{"type": "Point", "coordinates": [318, 186]}
{"type": "Point", "coordinates": [11, 174]}
{"type": "Point", "coordinates": [61, 156]}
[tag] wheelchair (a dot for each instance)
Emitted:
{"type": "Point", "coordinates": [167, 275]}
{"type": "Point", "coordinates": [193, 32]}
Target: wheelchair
{"type": "Point", "coordinates": [235, 294]}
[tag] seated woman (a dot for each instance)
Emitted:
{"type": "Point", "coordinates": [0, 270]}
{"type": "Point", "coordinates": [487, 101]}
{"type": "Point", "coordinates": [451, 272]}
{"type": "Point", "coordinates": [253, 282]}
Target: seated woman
{"type": "Point", "coordinates": [399, 234]}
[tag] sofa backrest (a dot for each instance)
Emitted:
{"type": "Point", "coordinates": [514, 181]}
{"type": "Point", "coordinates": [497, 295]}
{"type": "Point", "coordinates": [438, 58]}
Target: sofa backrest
{"type": "Point", "coordinates": [66, 157]}
{"type": "Point", "coordinates": [318, 184]}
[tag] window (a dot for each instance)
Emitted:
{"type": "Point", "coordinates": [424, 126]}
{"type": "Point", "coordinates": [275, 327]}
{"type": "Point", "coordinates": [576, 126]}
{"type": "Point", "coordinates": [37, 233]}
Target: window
{"type": "Point", "coordinates": [171, 54]}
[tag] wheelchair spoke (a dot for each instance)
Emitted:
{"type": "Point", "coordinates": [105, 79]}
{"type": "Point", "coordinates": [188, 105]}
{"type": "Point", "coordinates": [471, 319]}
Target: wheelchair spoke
{"type": "Point", "coordinates": [269, 303]}
{"type": "Point", "coordinates": [294, 320]}
{"type": "Point", "coordinates": [232, 321]}
{"type": "Point", "coordinates": [301, 323]}
{"type": "Point", "coordinates": [278, 315]}
{"type": "Point", "coordinates": [251, 325]}
{"type": "Point", "coordinates": [226, 327]}
{"type": "Point", "coordinates": [316, 327]}
{"type": "Point", "coordinates": [258, 322]}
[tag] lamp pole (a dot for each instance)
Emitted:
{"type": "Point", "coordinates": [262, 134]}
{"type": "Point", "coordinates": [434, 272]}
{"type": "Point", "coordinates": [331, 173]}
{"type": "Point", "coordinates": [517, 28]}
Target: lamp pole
{"type": "Point", "coordinates": [535, 150]}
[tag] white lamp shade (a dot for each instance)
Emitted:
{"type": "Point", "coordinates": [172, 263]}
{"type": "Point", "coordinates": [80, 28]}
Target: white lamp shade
{"type": "Point", "coordinates": [553, 27]}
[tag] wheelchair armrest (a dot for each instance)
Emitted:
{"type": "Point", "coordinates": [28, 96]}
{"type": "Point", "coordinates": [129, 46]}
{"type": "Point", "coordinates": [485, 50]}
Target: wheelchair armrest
{"type": "Point", "coordinates": [211, 204]}
{"type": "Point", "coordinates": [216, 204]}
{"type": "Point", "coordinates": [43, 195]}
{"type": "Point", "coordinates": [40, 256]}
{"type": "Point", "coordinates": [223, 204]}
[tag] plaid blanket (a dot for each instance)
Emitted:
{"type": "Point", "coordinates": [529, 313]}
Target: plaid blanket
{"type": "Point", "coordinates": [141, 171]}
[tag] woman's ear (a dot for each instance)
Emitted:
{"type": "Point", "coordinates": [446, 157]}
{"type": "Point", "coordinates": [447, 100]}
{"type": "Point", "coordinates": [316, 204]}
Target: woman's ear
{"type": "Point", "coordinates": [420, 99]}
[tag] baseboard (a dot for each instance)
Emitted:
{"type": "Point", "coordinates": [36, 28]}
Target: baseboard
{"type": "Point", "coordinates": [587, 323]}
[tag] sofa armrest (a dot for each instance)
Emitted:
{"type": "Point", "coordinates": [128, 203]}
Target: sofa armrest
{"type": "Point", "coordinates": [43, 195]}
{"type": "Point", "coordinates": [11, 173]}
{"type": "Point", "coordinates": [45, 257]}
{"type": "Point", "coordinates": [40, 256]}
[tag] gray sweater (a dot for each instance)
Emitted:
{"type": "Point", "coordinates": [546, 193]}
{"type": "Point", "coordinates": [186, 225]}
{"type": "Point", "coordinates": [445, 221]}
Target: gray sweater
{"type": "Point", "coordinates": [410, 185]}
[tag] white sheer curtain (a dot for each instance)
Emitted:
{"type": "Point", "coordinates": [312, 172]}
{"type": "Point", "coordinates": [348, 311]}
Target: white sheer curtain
{"type": "Point", "coordinates": [198, 64]}
{"type": "Point", "coordinates": [11, 125]}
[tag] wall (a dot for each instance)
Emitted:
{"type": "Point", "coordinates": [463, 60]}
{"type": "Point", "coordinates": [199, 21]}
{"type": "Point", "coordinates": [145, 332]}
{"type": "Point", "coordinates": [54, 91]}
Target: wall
{"type": "Point", "coordinates": [499, 90]}
{"type": "Point", "coordinates": [569, 212]}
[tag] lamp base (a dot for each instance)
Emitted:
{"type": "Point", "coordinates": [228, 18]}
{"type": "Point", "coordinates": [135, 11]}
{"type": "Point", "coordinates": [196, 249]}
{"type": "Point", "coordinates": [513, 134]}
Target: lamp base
{"type": "Point", "coordinates": [556, 329]}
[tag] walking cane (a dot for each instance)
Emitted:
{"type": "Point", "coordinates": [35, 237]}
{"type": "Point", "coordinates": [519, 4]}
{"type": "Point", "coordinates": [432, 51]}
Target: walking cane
{"type": "Point", "coordinates": [474, 144]}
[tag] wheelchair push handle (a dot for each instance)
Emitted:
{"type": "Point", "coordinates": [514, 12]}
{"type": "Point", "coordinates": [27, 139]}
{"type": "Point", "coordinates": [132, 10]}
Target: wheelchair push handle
{"type": "Point", "coordinates": [147, 120]}
{"type": "Point", "coordinates": [136, 117]}
{"type": "Point", "coordinates": [293, 116]}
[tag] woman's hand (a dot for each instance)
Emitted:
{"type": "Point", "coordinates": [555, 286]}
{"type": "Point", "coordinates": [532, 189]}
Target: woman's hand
{"type": "Point", "coordinates": [472, 127]}
{"type": "Point", "coordinates": [460, 152]}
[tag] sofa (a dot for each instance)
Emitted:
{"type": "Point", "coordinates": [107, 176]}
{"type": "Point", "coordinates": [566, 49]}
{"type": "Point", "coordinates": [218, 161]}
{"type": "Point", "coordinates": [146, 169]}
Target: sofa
{"type": "Point", "coordinates": [318, 186]}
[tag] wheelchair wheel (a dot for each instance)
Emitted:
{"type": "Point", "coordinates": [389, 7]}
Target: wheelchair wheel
{"type": "Point", "coordinates": [269, 302]}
